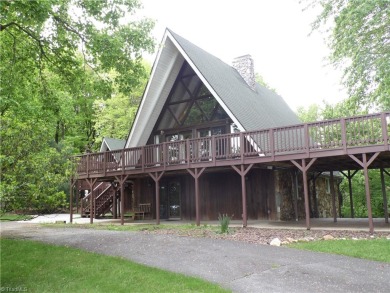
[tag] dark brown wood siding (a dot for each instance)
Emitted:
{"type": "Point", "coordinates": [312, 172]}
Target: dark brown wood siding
{"type": "Point", "coordinates": [144, 192]}
{"type": "Point", "coordinates": [261, 194]}
{"type": "Point", "coordinates": [220, 193]}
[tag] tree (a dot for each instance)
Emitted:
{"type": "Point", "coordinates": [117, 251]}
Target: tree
{"type": "Point", "coordinates": [310, 114]}
{"type": "Point", "coordinates": [75, 42]}
{"type": "Point", "coordinates": [114, 117]}
{"type": "Point", "coordinates": [57, 30]}
{"type": "Point", "coordinates": [56, 56]}
{"type": "Point", "coordinates": [360, 44]}
{"type": "Point", "coordinates": [324, 111]}
{"type": "Point", "coordinates": [260, 80]}
{"type": "Point", "coordinates": [359, 195]}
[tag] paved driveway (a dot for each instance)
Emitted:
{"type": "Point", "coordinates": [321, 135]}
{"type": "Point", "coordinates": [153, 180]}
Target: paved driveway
{"type": "Point", "coordinates": [241, 267]}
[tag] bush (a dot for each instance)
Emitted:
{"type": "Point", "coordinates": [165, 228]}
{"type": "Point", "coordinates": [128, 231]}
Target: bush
{"type": "Point", "coordinates": [224, 221]}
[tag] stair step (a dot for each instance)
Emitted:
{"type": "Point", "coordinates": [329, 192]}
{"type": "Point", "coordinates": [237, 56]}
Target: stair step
{"type": "Point", "coordinates": [103, 202]}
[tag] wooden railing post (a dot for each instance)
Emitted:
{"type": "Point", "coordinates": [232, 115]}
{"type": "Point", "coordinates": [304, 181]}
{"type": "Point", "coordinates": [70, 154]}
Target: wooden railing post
{"type": "Point", "coordinates": [188, 150]}
{"type": "Point", "coordinates": [242, 146]}
{"type": "Point", "coordinates": [123, 161]}
{"type": "Point", "coordinates": [143, 158]}
{"type": "Point", "coordinates": [272, 143]}
{"type": "Point", "coordinates": [306, 138]}
{"type": "Point", "coordinates": [87, 165]}
{"type": "Point", "coordinates": [385, 134]}
{"type": "Point", "coordinates": [105, 156]}
{"type": "Point", "coordinates": [213, 150]}
{"type": "Point", "coordinates": [343, 135]}
{"type": "Point", "coordinates": [164, 154]}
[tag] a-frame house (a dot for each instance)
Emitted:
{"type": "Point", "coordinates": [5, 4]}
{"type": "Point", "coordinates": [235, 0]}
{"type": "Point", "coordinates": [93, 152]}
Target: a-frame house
{"type": "Point", "coordinates": [208, 140]}
{"type": "Point", "coordinates": [187, 84]}
{"type": "Point", "coordinates": [193, 94]}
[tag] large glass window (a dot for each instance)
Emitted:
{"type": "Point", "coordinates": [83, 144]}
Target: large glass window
{"type": "Point", "coordinates": [189, 103]}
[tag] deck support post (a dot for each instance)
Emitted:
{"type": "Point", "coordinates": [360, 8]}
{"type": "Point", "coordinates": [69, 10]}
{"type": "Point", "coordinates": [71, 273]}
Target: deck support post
{"type": "Point", "coordinates": [122, 179]}
{"type": "Point", "coordinates": [332, 191]}
{"type": "Point", "coordinates": [196, 174]}
{"type": "Point", "coordinates": [77, 194]}
{"type": "Point", "coordinates": [349, 176]}
{"type": "Point", "coordinates": [114, 203]}
{"type": "Point", "coordinates": [304, 168]}
{"type": "Point", "coordinates": [242, 172]}
{"type": "Point", "coordinates": [365, 164]}
{"type": "Point", "coordinates": [156, 177]}
{"type": "Point", "coordinates": [71, 192]}
{"type": "Point", "coordinates": [91, 183]}
{"type": "Point", "coordinates": [81, 202]}
{"type": "Point", "coordinates": [386, 211]}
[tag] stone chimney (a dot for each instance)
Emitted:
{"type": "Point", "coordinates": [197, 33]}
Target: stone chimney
{"type": "Point", "coordinates": [245, 67]}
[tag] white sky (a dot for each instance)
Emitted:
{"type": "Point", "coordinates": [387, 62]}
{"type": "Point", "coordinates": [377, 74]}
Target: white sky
{"type": "Point", "coordinates": [274, 32]}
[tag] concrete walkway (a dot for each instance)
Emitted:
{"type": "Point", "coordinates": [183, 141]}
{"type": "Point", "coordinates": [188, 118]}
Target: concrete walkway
{"type": "Point", "coordinates": [238, 266]}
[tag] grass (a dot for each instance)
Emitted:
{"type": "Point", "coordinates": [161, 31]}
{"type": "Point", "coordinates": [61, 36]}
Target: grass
{"type": "Point", "coordinates": [138, 227]}
{"type": "Point", "coordinates": [14, 217]}
{"type": "Point", "coordinates": [372, 249]}
{"type": "Point", "coordinates": [37, 267]}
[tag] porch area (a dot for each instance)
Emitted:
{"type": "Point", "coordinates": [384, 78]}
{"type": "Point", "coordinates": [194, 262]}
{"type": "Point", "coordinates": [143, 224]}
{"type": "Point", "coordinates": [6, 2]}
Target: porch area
{"type": "Point", "coordinates": [346, 144]}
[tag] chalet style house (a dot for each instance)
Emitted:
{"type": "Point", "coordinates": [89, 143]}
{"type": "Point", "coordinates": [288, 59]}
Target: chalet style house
{"type": "Point", "coordinates": [208, 140]}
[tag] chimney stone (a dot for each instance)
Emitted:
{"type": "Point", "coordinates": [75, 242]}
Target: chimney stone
{"type": "Point", "coordinates": [245, 67]}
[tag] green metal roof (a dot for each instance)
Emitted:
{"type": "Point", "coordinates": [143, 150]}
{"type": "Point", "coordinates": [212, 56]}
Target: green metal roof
{"type": "Point", "coordinates": [113, 143]}
{"type": "Point", "coordinates": [257, 109]}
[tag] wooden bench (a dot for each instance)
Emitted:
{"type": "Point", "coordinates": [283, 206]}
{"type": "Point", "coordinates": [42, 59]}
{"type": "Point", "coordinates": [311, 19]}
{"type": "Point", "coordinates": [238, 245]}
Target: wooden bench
{"type": "Point", "coordinates": [142, 210]}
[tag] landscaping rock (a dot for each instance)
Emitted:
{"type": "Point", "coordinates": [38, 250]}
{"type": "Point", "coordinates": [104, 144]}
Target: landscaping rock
{"type": "Point", "coordinates": [328, 237]}
{"type": "Point", "coordinates": [275, 242]}
{"type": "Point", "coordinates": [291, 240]}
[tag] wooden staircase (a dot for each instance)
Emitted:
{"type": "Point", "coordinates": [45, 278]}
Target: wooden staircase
{"type": "Point", "coordinates": [103, 201]}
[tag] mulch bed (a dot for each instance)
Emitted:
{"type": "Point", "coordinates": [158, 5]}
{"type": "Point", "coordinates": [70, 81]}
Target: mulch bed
{"type": "Point", "coordinates": [265, 236]}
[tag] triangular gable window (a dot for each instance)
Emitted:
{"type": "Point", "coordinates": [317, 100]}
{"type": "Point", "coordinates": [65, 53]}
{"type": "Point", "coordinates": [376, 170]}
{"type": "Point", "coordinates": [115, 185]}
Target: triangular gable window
{"type": "Point", "coordinates": [189, 103]}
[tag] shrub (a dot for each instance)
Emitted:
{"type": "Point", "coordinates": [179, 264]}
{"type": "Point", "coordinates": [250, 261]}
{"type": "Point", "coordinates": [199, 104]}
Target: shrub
{"type": "Point", "coordinates": [224, 221]}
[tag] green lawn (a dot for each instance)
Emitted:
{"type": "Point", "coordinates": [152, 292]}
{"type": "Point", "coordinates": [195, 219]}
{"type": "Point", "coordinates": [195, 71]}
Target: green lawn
{"type": "Point", "coordinates": [373, 249]}
{"type": "Point", "coordinates": [38, 267]}
{"type": "Point", "coordinates": [14, 217]}
{"type": "Point", "coordinates": [141, 227]}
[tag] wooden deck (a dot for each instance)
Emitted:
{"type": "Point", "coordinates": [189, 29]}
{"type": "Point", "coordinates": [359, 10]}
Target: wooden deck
{"type": "Point", "coordinates": [336, 144]}
{"type": "Point", "coordinates": [354, 143]}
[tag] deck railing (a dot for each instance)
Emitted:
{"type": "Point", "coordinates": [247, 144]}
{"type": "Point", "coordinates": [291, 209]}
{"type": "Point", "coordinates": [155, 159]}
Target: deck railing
{"type": "Point", "coordinates": [341, 135]}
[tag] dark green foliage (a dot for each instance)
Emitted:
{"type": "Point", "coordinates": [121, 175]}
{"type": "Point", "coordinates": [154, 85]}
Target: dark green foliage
{"type": "Point", "coordinates": [359, 195]}
{"type": "Point", "coordinates": [360, 42]}
{"type": "Point", "coordinates": [57, 58]}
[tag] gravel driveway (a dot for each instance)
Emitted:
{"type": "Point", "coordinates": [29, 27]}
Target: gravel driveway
{"type": "Point", "coordinates": [241, 267]}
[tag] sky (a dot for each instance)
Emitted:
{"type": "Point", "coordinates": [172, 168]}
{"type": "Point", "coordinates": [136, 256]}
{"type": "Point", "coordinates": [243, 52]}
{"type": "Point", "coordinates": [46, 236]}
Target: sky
{"type": "Point", "coordinates": [276, 33]}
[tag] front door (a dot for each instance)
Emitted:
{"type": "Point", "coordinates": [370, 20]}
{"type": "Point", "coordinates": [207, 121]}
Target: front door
{"type": "Point", "coordinates": [170, 194]}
